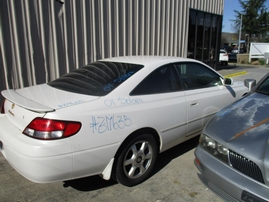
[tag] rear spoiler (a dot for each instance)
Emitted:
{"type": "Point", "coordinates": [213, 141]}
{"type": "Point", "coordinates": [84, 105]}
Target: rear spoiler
{"type": "Point", "coordinates": [21, 101]}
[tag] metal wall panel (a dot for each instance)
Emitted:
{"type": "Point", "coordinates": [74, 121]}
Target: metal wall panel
{"type": "Point", "coordinates": [41, 40]}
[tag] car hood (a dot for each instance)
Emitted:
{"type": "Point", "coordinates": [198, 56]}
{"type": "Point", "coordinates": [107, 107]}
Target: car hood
{"type": "Point", "coordinates": [44, 98]}
{"type": "Point", "coordinates": [243, 126]}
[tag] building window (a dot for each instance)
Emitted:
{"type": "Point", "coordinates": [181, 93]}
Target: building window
{"type": "Point", "coordinates": [204, 37]}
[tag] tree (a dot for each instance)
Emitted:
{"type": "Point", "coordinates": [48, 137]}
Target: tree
{"type": "Point", "coordinates": [255, 19]}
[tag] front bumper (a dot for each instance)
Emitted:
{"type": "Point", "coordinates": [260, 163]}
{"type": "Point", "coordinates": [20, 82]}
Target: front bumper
{"type": "Point", "coordinates": [38, 161]}
{"type": "Point", "coordinates": [227, 182]}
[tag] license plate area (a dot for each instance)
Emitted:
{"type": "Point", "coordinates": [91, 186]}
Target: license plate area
{"type": "Point", "coordinates": [248, 197]}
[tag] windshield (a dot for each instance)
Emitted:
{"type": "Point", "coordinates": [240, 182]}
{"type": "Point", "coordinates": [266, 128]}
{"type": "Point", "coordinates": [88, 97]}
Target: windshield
{"type": "Point", "coordinates": [98, 78]}
{"type": "Point", "coordinates": [264, 87]}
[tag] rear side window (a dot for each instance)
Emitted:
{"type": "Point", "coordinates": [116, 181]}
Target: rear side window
{"type": "Point", "coordinates": [97, 79]}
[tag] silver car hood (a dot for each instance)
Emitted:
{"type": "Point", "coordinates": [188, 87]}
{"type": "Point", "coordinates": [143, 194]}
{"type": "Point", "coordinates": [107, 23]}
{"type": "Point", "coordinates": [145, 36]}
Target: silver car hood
{"type": "Point", "coordinates": [243, 126]}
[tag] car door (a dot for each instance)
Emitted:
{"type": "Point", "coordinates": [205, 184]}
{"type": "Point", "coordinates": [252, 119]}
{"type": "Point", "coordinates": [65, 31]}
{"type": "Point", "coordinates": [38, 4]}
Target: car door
{"type": "Point", "coordinates": [164, 105]}
{"type": "Point", "coordinates": [205, 94]}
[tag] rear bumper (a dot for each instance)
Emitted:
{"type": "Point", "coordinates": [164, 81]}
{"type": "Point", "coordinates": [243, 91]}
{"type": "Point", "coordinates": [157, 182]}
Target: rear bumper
{"type": "Point", "coordinates": [223, 61]}
{"type": "Point", "coordinates": [38, 161]}
{"type": "Point", "coordinates": [228, 183]}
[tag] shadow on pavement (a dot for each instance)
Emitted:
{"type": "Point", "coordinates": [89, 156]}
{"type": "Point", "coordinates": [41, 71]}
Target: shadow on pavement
{"type": "Point", "coordinates": [167, 156]}
{"type": "Point", "coordinates": [236, 66]}
{"type": "Point", "coordinates": [89, 183]}
{"type": "Point", "coordinates": [96, 182]}
{"type": "Point", "coordinates": [229, 66]}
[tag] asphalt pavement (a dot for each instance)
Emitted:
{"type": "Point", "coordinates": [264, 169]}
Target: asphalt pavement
{"type": "Point", "coordinates": [240, 72]}
{"type": "Point", "coordinates": [174, 178]}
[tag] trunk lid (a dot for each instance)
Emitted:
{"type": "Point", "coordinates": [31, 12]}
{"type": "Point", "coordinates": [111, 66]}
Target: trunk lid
{"type": "Point", "coordinates": [23, 105]}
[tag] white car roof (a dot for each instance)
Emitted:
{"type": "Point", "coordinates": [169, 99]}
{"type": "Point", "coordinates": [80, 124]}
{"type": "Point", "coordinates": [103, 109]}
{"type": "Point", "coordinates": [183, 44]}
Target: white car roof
{"type": "Point", "coordinates": [146, 60]}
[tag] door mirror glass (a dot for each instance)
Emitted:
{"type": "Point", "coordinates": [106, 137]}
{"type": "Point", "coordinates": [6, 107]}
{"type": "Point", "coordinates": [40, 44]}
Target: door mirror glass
{"type": "Point", "coordinates": [228, 81]}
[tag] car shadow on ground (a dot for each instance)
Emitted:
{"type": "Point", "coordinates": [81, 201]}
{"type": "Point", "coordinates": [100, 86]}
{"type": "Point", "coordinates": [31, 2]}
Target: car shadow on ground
{"type": "Point", "coordinates": [167, 156]}
{"type": "Point", "coordinates": [96, 182]}
{"type": "Point", "coordinates": [235, 66]}
{"type": "Point", "coordinates": [229, 66]}
{"type": "Point", "coordinates": [89, 183]}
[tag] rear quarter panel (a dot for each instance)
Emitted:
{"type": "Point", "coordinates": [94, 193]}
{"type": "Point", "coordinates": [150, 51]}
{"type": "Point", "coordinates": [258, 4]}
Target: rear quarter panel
{"type": "Point", "coordinates": [106, 123]}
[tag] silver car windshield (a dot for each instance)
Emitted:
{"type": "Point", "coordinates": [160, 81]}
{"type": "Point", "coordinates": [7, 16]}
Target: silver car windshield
{"type": "Point", "coordinates": [98, 78]}
{"type": "Point", "coordinates": [264, 87]}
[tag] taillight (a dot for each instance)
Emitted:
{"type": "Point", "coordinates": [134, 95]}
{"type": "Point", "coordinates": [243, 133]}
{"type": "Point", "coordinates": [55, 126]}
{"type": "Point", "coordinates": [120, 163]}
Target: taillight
{"type": "Point", "coordinates": [2, 107]}
{"type": "Point", "coordinates": [225, 54]}
{"type": "Point", "coordinates": [48, 129]}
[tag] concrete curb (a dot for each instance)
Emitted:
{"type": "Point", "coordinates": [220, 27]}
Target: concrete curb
{"type": "Point", "coordinates": [247, 65]}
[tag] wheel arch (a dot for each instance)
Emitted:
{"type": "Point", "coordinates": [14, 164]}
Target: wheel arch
{"type": "Point", "coordinates": [140, 131]}
{"type": "Point", "coordinates": [109, 170]}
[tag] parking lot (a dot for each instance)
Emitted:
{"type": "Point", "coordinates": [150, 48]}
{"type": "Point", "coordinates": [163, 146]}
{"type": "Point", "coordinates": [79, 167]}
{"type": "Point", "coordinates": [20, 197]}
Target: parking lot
{"type": "Point", "coordinates": [174, 178]}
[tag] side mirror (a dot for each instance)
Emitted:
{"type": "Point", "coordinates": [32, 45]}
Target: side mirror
{"type": "Point", "coordinates": [228, 81]}
{"type": "Point", "coordinates": [250, 83]}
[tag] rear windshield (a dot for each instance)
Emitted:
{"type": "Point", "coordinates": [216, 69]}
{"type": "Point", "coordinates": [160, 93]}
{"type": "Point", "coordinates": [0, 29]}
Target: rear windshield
{"type": "Point", "coordinates": [97, 79]}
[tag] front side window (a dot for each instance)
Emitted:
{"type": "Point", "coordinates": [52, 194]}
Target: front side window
{"type": "Point", "coordinates": [195, 76]}
{"type": "Point", "coordinates": [97, 79]}
{"type": "Point", "coordinates": [162, 80]}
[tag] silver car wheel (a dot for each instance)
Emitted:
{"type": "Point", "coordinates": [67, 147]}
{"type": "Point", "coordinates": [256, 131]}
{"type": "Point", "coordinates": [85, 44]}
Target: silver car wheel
{"type": "Point", "coordinates": [137, 159]}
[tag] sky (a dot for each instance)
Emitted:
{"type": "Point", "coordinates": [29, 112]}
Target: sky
{"type": "Point", "coordinates": [229, 14]}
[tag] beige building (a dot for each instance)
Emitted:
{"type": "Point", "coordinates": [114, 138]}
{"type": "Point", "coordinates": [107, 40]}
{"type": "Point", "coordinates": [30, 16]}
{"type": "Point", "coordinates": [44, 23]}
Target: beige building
{"type": "Point", "coordinates": [41, 40]}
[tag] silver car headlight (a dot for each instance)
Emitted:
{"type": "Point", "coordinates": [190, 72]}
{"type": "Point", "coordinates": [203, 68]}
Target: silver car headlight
{"type": "Point", "coordinates": [214, 148]}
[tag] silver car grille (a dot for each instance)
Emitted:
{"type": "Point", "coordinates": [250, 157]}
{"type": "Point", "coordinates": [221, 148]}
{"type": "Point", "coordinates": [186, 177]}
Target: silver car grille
{"type": "Point", "coordinates": [245, 166]}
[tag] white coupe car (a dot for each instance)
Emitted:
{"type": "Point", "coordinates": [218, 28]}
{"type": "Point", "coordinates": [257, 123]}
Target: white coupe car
{"type": "Point", "coordinates": [110, 118]}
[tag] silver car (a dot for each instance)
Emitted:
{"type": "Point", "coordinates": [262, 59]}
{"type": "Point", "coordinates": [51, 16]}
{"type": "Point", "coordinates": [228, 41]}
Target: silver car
{"type": "Point", "coordinates": [233, 151]}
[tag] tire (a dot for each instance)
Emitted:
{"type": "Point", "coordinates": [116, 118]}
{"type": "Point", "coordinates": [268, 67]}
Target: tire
{"type": "Point", "coordinates": [136, 161]}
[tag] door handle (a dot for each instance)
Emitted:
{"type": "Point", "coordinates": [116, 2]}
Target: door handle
{"type": "Point", "coordinates": [193, 104]}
